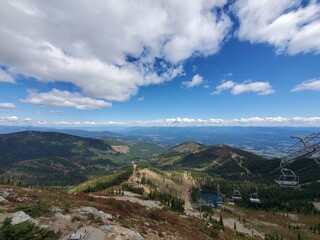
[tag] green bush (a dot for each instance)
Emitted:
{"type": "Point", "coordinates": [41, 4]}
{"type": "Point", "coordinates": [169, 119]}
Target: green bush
{"type": "Point", "coordinates": [33, 210]}
{"type": "Point", "coordinates": [23, 231]}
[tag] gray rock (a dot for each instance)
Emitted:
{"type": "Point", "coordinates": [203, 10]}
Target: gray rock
{"type": "Point", "coordinates": [20, 217]}
{"type": "Point", "coordinates": [121, 233]}
{"type": "Point", "coordinates": [97, 214]}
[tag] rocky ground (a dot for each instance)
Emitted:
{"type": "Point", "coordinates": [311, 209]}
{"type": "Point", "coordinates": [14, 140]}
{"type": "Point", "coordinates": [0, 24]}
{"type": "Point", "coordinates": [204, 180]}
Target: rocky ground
{"type": "Point", "coordinates": [130, 216]}
{"type": "Point", "coordinates": [120, 217]}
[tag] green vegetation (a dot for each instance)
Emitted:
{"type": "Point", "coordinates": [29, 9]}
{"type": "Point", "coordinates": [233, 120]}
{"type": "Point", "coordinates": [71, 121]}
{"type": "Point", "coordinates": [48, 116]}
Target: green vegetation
{"type": "Point", "coordinates": [137, 190]}
{"type": "Point", "coordinates": [273, 197]}
{"type": "Point", "coordinates": [57, 159]}
{"type": "Point", "coordinates": [101, 183]}
{"type": "Point", "coordinates": [167, 198]}
{"type": "Point", "coordinates": [23, 231]}
{"type": "Point", "coordinates": [222, 160]}
{"type": "Point", "coordinates": [195, 194]}
{"type": "Point", "coordinates": [34, 210]}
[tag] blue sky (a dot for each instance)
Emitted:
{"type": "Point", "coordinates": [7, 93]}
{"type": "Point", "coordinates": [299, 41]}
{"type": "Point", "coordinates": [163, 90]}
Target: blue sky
{"type": "Point", "coordinates": [164, 63]}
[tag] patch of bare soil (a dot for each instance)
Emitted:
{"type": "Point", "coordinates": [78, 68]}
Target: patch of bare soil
{"type": "Point", "coordinates": [120, 149]}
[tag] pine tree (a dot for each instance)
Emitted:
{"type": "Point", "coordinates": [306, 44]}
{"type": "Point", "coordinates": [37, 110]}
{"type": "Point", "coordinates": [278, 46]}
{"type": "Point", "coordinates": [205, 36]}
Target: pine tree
{"type": "Point", "coordinates": [221, 220]}
{"type": "Point", "coordinates": [299, 236]}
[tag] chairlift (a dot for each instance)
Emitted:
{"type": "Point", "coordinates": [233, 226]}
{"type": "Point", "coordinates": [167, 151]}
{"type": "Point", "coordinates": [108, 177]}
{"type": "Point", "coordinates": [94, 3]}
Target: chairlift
{"type": "Point", "coordinates": [231, 202]}
{"type": "Point", "coordinates": [236, 196]}
{"type": "Point", "coordinates": [308, 146]}
{"type": "Point", "coordinates": [287, 178]}
{"type": "Point", "coordinates": [254, 198]}
{"type": "Point", "coordinates": [219, 199]}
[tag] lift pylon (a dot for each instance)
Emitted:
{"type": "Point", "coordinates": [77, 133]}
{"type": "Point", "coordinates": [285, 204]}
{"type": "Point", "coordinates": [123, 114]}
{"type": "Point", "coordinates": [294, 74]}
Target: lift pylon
{"type": "Point", "coordinates": [306, 147]}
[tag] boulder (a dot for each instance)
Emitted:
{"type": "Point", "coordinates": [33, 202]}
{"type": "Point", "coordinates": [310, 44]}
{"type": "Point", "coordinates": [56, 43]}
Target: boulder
{"type": "Point", "coordinates": [20, 217]}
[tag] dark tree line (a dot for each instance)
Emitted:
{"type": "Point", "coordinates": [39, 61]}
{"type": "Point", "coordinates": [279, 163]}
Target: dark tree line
{"type": "Point", "coordinates": [167, 198]}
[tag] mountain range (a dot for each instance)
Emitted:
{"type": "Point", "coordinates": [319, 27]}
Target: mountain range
{"type": "Point", "coordinates": [270, 142]}
{"type": "Point", "coordinates": [52, 158]}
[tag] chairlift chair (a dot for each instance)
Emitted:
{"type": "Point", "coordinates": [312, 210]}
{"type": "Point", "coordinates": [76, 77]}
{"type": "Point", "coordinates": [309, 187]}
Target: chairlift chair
{"type": "Point", "coordinates": [231, 202]}
{"type": "Point", "coordinates": [219, 199]}
{"type": "Point", "coordinates": [254, 198]}
{"type": "Point", "coordinates": [287, 178]}
{"type": "Point", "coordinates": [308, 146]}
{"type": "Point", "coordinates": [236, 196]}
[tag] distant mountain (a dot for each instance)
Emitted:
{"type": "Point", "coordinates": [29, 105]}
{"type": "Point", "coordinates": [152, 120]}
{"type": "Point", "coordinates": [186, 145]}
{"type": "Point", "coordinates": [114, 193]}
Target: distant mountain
{"type": "Point", "coordinates": [76, 132]}
{"type": "Point", "coordinates": [229, 162]}
{"type": "Point", "coordinates": [32, 144]}
{"type": "Point", "coordinates": [215, 158]}
{"type": "Point", "coordinates": [265, 141]}
{"type": "Point", "coordinates": [269, 142]}
{"type": "Point", "coordinates": [52, 158]}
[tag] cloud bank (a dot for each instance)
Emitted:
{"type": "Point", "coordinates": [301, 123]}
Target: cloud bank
{"type": "Point", "coordinates": [175, 122]}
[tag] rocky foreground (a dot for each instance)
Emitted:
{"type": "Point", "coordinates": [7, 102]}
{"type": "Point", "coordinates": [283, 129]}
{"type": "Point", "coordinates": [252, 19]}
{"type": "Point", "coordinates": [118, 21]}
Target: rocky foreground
{"type": "Point", "coordinates": [119, 217]}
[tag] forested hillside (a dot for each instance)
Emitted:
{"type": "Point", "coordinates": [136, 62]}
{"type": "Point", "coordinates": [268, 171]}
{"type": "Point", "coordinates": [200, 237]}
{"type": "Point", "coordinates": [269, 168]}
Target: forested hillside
{"type": "Point", "coordinates": [53, 158]}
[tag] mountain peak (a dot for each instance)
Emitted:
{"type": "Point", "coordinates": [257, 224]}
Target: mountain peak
{"type": "Point", "coordinates": [188, 147]}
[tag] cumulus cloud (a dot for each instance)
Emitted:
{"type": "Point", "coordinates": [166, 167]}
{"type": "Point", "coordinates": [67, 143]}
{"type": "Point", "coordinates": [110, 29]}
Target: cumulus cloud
{"type": "Point", "coordinates": [286, 24]}
{"type": "Point", "coordinates": [7, 105]}
{"type": "Point", "coordinates": [196, 81]}
{"type": "Point", "coordinates": [261, 88]}
{"type": "Point", "coordinates": [5, 77]}
{"type": "Point", "coordinates": [312, 85]}
{"type": "Point", "coordinates": [12, 118]}
{"type": "Point", "coordinates": [108, 49]}
{"type": "Point", "coordinates": [225, 85]}
{"type": "Point", "coordinates": [64, 99]}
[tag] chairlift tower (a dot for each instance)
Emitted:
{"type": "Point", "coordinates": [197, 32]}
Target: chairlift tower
{"type": "Point", "coordinates": [308, 146]}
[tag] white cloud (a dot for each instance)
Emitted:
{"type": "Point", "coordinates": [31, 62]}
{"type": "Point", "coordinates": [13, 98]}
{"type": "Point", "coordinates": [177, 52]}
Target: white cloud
{"type": "Point", "coordinates": [65, 99]}
{"type": "Point", "coordinates": [7, 105]}
{"type": "Point", "coordinates": [261, 88]}
{"type": "Point", "coordinates": [225, 85]}
{"type": "Point", "coordinates": [196, 81]}
{"type": "Point", "coordinates": [13, 118]}
{"type": "Point", "coordinates": [5, 77]}
{"type": "Point", "coordinates": [88, 44]}
{"type": "Point", "coordinates": [312, 85]}
{"type": "Point", "coordinates": [285, 24]}
{"type": "Point", "coordinates": [179, 122]}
